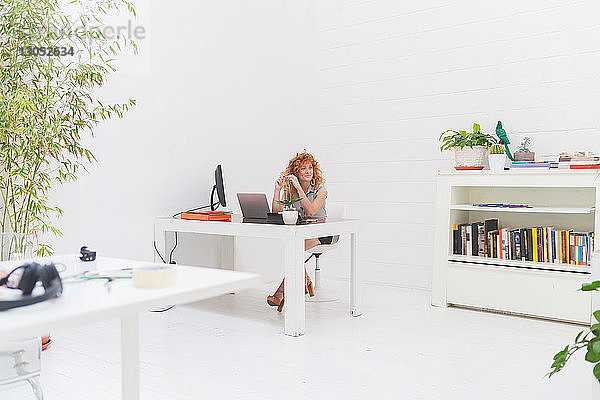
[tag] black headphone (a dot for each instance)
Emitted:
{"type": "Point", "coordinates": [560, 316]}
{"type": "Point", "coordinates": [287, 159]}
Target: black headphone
{"type": "Point", "coordinates": [32, 274]}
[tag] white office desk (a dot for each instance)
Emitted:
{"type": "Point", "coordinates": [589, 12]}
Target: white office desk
{"type": "Point", "coordinates": [293, 242]}
{"type": "Point", "coordinates": [90, 301]}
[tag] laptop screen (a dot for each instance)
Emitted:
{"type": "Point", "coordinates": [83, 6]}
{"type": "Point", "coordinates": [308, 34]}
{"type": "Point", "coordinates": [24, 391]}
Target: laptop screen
{"type": "Point", "coordinates": [253, 205]}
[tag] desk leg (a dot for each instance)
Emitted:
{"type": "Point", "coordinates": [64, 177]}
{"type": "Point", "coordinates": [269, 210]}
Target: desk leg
{"type": "Point", "coordinates": [294, 287]}
{"type": "Point", "coordinates": [130, 357]}
{"type": "Point", "coordinates": [226, 248]}
{"type": "Point", "coordinates": [354, 277]}
{"type": "Point", "coordinates": [160, 241]}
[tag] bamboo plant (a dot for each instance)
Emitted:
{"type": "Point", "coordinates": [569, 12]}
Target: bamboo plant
{"type": "Point", "coordinates": [49, 76]}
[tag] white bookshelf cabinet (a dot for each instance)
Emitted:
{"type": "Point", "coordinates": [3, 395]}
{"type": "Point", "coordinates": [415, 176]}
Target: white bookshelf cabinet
{"type": "Point", "coordinates": [564, 199]}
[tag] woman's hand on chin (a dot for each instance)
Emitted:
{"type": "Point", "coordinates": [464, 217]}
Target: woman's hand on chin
{"type": "Point", "coordinates": [295, 182]}
{"type": "Point", "coordinates": [279, 183]}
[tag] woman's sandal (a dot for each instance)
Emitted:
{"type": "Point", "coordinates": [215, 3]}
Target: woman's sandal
{"type": "Point", "coordinates": [275, 301]}
{"type": "Point", "coordinates": [308, 288]}
{"type": "Point", "coordinates": [46, 341]}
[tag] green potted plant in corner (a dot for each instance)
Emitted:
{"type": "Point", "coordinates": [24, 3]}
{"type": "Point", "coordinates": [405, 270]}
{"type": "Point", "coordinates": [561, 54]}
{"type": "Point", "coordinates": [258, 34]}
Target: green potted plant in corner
{"type": "Point", "coordinates": [497, 157]}
{"type": "Point", "coordinates": [49, 78]}
{"type": "Point", "coordinates": [524, 153]}
{"type": "Point", "coordinates": [289, 213]}
{"type": "Point", "coordinates": [470, 148]}
{"type": "Point", "coordinates": [587, 340]}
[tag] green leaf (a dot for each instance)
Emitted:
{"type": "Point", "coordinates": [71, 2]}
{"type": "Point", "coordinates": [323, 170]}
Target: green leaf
{"type": "Point", "coordinates": [592, 355]}
{"type": "Point", "coordinates": [476, 128]}
{"type": "Point", "coordinates": [597, 371]}
{"type": "Point", "coordinates": [597, 315]}
{"type": "Point", "coordinates": [561, 355]}
{"type": "Point", "coordinates": [587, 287]}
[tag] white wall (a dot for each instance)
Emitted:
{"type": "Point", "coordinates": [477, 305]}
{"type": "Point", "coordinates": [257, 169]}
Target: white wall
{"type": "Point", "coordinates": [392, 75]}
{"type": "Point", "coordinates": [367, 86]}
{"type": "Point", "coordinates": [211, 83]}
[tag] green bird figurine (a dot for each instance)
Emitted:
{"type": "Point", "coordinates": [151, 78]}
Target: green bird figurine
{"type": "Point", "coordinates": [504, 139]}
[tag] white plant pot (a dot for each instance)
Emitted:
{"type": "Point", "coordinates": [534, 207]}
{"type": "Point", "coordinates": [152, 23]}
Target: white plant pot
{"type": "Point", "coordinates": [290, 217]}
{"type": "Point", "coordinates": [470, 156]}
{"type": "Point", "coordinates": [497, 162]}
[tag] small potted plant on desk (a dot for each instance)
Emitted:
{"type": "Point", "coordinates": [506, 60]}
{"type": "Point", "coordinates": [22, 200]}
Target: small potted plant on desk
{"type": "Point", "coordinates": [289, 213]}
{"type": "Point", "coordinates": [470, 148]}
{"type": "Point", "coordinates": [497, 157]}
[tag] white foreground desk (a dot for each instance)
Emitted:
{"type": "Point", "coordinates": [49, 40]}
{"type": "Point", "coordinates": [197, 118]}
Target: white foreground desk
{"type": "Point", "coordinates": [90, 301]}
{"type": "Point", "coordinates": [293, 242]}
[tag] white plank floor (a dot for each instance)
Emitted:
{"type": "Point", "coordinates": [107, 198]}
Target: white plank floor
{"type": "Point", "coordinates": [233, 347]}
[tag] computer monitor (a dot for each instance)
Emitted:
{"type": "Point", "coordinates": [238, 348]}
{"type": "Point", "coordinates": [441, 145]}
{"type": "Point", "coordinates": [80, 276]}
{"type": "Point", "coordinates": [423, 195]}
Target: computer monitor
{"type": "Point", "coordinates": [220, 188]}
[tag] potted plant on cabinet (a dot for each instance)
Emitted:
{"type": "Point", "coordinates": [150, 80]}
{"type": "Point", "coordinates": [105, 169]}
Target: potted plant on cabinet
{"type": "Point", "coordinates": [470, 148]}
{"type": "Point", "coordinates": [497, 157]}
{"type": "Point", "coordinates": [524, 153]}
{"type": "Point", "coordinates": [289, 213]}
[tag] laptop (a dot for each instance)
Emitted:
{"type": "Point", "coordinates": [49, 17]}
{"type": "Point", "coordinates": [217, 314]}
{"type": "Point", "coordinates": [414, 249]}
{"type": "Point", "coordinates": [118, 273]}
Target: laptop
{"type": "Point", "coordinates": [254, 207]}
{"type": "Point", "coordinates": [255, 210]}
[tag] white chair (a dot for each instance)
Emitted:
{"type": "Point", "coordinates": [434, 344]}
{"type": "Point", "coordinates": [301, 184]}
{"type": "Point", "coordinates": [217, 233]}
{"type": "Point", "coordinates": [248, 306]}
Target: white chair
{"type": "Point", "coordinates": [334, 211]}
{"type": "Point", "coordinates": [21, 361]}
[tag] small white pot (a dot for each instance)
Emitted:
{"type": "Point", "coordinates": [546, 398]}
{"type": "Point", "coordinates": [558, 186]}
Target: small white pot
{"type": "Point", "coordinates": [497, 162]}
{"type": "Point", "coordinates": [290, 217]}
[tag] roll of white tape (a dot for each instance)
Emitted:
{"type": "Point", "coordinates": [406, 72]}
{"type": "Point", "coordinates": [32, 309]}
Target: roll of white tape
{"type": "Point", "coordinates": [154, 276]}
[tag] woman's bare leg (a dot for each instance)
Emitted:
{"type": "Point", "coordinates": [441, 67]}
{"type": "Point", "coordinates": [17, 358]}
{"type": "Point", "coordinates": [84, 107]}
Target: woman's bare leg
{"type": "Point", "coordinates": [310, 243]}
{"type": "Point", "coordinates": [279, 292]}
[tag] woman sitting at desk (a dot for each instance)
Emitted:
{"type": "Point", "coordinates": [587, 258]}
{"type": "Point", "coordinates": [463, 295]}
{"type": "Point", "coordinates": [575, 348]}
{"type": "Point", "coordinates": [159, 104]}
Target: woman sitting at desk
{"type": "Point", "coordinates": [308, 185]}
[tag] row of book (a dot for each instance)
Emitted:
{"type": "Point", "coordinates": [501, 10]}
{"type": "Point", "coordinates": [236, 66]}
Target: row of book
{"type": "Point", "coordinates": [536, 244]}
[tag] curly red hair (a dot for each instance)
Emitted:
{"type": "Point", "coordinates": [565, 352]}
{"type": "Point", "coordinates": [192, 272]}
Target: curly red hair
{"type": "Point", "coordinates": [298, 161]}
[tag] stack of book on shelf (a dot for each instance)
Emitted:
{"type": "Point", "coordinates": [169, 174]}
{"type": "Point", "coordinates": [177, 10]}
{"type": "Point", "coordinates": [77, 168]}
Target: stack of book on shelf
{"type": "Point", "coordinates": [536, 244]}
{"type": "Point", "coordinates": [530, 164]}
{"type": "Point", "coordinates": [584, 165]}
{"type": "Point", "coordinates": [207, 215]}
{"type": "Point", "coordinates": [580, 160]}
